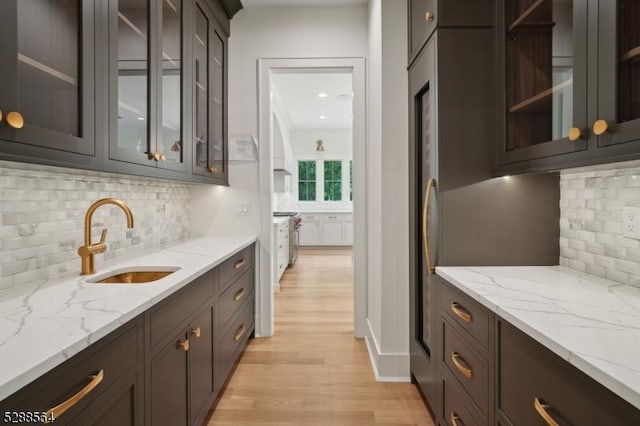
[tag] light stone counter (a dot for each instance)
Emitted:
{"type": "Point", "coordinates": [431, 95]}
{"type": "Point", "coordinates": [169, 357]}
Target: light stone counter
{"type": "Point", "coordinates": [45, 323]}
{"type": "Point", "coordinates": [592, 323]}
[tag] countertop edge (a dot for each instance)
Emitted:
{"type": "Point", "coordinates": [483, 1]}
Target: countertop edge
{"type": "Point", "coordinates": [611, 383]}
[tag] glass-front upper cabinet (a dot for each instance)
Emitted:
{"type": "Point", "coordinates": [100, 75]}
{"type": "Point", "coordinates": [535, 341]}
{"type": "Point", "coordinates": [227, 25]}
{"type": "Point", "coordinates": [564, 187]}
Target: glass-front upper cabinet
{"type": "Point", "coordinates": [146, 83]}
{"type": "Point", "coordinates": [48, 73]}
{"type": "Point", "coordinates": [545, 78]}
{"type": "Point", "coordinates": [210, 97]}
{"type": "Point", "coordinates": [618, 113]}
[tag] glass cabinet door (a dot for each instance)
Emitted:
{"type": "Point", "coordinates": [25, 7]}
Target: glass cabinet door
{"type": "Point", "coordinates": [219, 148]}
{"type": "Point", "coordinates": [545, 57]}
{"type": "Point", "coordinates": [47, 91]}
{"type": "Point", "coordinates": [171, 136]}
{"type": "Point", "coordinates": [618, 116]}
{"type": "Point", "coordinates": [201, 89]}
{"type": "Point", "coordinates": [130, 113]}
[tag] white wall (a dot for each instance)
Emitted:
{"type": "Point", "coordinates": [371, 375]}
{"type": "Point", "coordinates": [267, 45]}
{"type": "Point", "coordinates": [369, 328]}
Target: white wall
{"type": "Point", "coordinates": [387, 209]}
{"type": "Point", "coordinates": [291, 32]}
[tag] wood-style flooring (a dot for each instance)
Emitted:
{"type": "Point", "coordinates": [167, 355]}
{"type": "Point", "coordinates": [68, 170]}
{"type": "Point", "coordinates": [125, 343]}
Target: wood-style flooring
{"type": "Point", "coordinates": [313, 371]}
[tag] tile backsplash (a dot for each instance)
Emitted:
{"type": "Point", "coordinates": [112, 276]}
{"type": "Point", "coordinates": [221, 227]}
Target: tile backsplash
{"type": "Point", "coordinates": [591, 203]}
{"type": "Point", "coordinates": [42, 213]}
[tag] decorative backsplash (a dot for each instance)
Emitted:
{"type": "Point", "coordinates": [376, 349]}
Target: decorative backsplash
{"type": "Point", "coordinates": [42, 213]}
{"type": "Point", "coordinates": [591, 203]}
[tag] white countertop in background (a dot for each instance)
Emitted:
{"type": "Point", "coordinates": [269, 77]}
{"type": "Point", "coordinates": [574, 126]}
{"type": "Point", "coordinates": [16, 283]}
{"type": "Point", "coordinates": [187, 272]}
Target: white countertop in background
{"type": "Point", "coordinates": [277, 220]}
{"type": "Point", "coordinates": [592, 323]}
{"type": "Point", "coordinates": [43, 324]}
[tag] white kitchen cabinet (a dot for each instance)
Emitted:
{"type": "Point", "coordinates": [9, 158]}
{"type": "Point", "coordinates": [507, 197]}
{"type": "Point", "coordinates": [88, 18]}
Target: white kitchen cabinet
{"type": "Point", "coordinates": [280, 250]}
{"type": "Point", "coordinates": [332, 234]}
{"type": "Point", "coordinates": [311, 233]}
{"type": "Point", "coordinates": [326, 229]}
{"type": "Point", "coordinates": [347, 233]}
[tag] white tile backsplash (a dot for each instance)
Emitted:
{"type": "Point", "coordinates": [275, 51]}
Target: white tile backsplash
{"type": "Point", "coordinates": [42, 213]}
{"type": "Point", "coordinates": [591, 203]}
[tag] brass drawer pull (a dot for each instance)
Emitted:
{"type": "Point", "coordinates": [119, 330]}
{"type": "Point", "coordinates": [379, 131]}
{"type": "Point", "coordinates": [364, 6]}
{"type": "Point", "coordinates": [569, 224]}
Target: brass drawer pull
{"type": "Point", "coordinates": [239, 295]}
{"type": "Point", "coordinates": [184, 344]}
{"type": "Point", "coordinates": [541, 408]}
{"type": "Point", "coordinates": [455, 420]}
{"type": "Point", "coordinates": [459, 362]}
{"type": "Point", "coordinates": [461, 312]}
{"type": "Point", "coordinates": [239, 264]}
{"type": "Point", "coordinates": [196, 331]}
{"type": "Point", "coordinates": [60, 409]}
{"type": "Point", "coordinates": [241, 330]}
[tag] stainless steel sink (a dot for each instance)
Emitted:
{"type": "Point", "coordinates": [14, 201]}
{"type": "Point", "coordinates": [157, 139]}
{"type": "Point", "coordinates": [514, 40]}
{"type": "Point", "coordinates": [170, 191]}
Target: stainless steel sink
{"type": "Point", "coordinates": [134, 275]}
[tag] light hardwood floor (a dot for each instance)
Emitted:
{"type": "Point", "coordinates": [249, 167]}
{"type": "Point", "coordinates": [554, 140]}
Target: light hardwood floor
{"type": "Point", "coordinates": [313, 371]}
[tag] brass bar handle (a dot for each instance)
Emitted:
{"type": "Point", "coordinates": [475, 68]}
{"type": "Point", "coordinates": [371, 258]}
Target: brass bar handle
{"type": "Point", "coordinates": [196, 331]}
{"type": "Point", "coordinates": [239, 264]}
{"type": "Point", "coordinates": [431, 184]}
{"type": "Point", "coordinates": [459, 362]}
{"type": "Point", "coordinates": [15, 120]}
{"type": "Point", "coordinates": [239, 295]}
{"type": "Point", "coordinates": [541, 408]}
{"type": "Point", "coordinates": [241, 330]}
{"type": "Point", "coordinates": [461, 312]}
{"type": "Point", "coordinates": [184, 344]}
{"type": "Point", "coordinates": [55, 412]}
{"type": "Point", "coordinates": [574, 134]}
{"type": "Point", "coordinates": [455, 420]}
{"type": "Point", "coordinates": [600, 127]}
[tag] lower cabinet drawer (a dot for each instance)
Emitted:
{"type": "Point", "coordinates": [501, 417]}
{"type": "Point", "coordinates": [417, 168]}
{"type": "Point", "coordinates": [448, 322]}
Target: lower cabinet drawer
{"type": "Point", "coordinates": [235, 266]}
{"type": "Point", "coordinates": [466, 312]}
{"type": "Point", "coordinates": [535, 386]}
{"type": "Point", "coordinates": [467, 366]}
{"type": "Point", "coordinates": [234, 338]}
{"type": "Point", "coordinates": [455, 407]}
{"type": "Point", "coordinates": [233, 298]}
{"type": "Point", "coordinates": [91, 375]}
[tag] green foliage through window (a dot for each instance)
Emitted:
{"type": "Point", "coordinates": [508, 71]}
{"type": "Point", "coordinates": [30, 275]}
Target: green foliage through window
{"type": "Point", "coordinates": [307, 180]}
{"type": "Point", "coordinates": [332, 180]}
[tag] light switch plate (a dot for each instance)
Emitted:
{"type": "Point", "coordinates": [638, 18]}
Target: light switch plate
{"type": "Point", "coordinates": [243, 209]}
{"type": "Point", "coordinates": [631, 222]}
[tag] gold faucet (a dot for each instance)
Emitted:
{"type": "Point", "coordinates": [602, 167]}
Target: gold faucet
{"type": "Point", "coordinates": [88, 250]}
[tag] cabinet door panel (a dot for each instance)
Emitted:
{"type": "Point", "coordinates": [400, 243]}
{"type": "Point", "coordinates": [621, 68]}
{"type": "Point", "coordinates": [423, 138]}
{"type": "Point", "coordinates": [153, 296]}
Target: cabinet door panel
{"type": "Point", "coordinates": [218, 150]}
{"type": "Point", "coordinates": [48, 73]}
{"type": "Point", "coordinates": [420, 24]}
{"type": "Point", "coordinates": [545, 52]}
{"type": "Point", "coordinates": [310, 234]}
{"type": "Point", "coordinates": [618, 37]}
{"type": "Point", "coordinates": [169, 388]}
{"type": "Point", "coordinates": [202, 89]}
{"type": "Point", "coordinates": [201, 363]}
{"type": "Point", "coordinates": [332, 233]}
{"type": "Point", "coordinates": [132, 95]}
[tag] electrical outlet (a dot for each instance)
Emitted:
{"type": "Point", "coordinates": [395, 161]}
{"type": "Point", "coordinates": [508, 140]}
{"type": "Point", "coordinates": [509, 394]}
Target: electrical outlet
{"type": "Point", "coordinates": [243, 209]}
{"type": "Point", "coordinates": [631, 222]}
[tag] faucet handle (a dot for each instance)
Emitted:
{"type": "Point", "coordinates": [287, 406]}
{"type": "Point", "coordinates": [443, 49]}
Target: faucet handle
{"type": "Point", "coordinates": [103, 236]}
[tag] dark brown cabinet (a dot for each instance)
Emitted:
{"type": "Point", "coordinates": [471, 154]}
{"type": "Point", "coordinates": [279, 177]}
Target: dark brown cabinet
{"type": "Point", "coordinates": [165, 367]}
{"type": "Point", "coordinates": [210, 55]}
{"type": "Point", "coordinates": [427, 15]}
{"type": "Point", "coordinates": [47, 96]}
{"type": "Point", "coordinates": [571, 83]}
{"type": "Point", "coordinates": [127, 86]}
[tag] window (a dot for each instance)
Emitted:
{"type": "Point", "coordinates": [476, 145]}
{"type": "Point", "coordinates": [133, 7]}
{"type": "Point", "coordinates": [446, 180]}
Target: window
{"type": "Point", "coordinates": [332, 180]}
{"type": "Point", "coordinates": [306, 180]}
{"type": "Point", "coordinates": [350, 180]}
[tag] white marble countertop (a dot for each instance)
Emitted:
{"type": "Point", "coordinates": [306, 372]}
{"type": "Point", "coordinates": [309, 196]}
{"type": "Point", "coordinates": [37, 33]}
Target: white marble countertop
{"type": "Point", "coordinates": [45, 323]}
{"type": "Point", "coordinates": [320, 211]}
{"type": "Point", "coordinates": [592, 323]}
{"type": "Point", "coordinates": [280, 219]}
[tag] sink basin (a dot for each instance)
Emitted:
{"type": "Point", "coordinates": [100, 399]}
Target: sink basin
{"type": "Point", "coordinates": [134, 275]}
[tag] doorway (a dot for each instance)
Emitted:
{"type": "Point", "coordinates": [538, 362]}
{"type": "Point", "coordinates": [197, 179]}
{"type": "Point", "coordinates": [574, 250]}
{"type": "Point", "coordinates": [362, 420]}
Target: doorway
{"type": "Point", "coordinates": [289, 72]}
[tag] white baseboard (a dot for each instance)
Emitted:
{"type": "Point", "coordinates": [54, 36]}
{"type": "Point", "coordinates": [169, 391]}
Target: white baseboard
{"type": "Point", "coordinates": [387, 367]}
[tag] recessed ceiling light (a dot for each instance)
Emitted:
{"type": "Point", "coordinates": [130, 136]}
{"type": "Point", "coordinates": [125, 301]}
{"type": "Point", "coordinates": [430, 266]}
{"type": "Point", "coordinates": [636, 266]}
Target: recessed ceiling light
{"type": "Point", "coordinates": [141, 118]}
{"type": "Point", "coordinates": [322, 117]}
{"type": "Point", "coordinates": [322, 95]}
{"type": "Point", "coordinates": [345, 96]}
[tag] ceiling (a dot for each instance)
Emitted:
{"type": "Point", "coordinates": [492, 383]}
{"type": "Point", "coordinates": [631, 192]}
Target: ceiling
{"type": "Point", "coordinates": [299, 3]}
{"type": "Point", "coordinates": [299, 94]}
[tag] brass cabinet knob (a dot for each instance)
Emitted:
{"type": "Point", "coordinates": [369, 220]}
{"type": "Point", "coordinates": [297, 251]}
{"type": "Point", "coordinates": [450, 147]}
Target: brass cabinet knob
{"type": "Point", "coordinates": [184, 344]}
{"type": "Point", "coordinates": [575, 134]}
{"type": "Point", "coordinates": [15, 120]}
{"type": "Point", "coordinates": [196, 331]}
{"type": "Point", "coordinates": [213, 169]}
{"type": "Point", "coordinates": [455, 419]}
{"type": "Point", "coordinates": [600, 127]}
{"type": "Point", "coordinates": [157, 156]}
{"type": "Point", "coordinates": [0, 116]}
{"type": "Point", "coordinates": [163, 157]}
{"type": "Point", "coordinates": [428, 17]}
